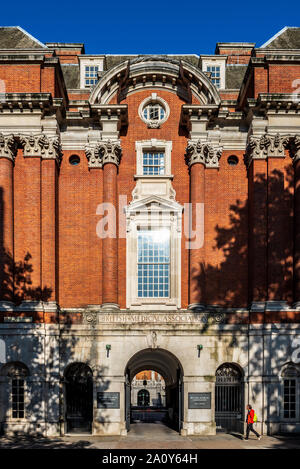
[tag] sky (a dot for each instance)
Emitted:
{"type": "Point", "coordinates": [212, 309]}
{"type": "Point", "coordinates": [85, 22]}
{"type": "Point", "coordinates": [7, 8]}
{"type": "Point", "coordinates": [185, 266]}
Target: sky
{"type": "Point", "coordinates": [158, 27]}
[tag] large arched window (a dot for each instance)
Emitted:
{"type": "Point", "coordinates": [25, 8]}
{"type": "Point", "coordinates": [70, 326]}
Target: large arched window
{"type": "Point", "coordinates": [17, 372]}
{"type": "Point", "coordinates": [291, 385]}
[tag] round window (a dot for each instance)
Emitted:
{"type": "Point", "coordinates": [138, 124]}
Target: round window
{"type": "Point", "coordinates": [154, 111]}
{"type": "Point", "coordinates": [74, 160]}
{"type": "Point", "coordinates": [232, 160]}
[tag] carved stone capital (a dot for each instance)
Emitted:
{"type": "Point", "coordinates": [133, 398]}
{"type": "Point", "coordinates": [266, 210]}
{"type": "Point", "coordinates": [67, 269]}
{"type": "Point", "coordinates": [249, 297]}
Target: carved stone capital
{"type": "Point", "coordinates": [205, 153]}
{"type": "Point", "coordinates": [265, 146]}
{"type": "Point", "coordinates": [93, 156]}
{"type": "Point", "coordinates": [42, 146]}
{"type": "Point", "coordinates": [110, 152]}
{"type": "Point", "coordinates": [103, 152]}
{"type": "Point", "coordinates": [30, 145]}
{"type": "Point", "coordinates": [51, 148]}
{"type": "Point", "coordinates": [8, 147]}
{"type": "Point", "coordinates": [294, 147]}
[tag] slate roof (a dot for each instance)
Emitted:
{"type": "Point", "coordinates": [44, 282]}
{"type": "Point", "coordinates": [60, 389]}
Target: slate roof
{"type": "Point", "coordinates": [235, 75]}
{"type": "Point", "coordinates": [113, 60]}
{"type": "Point", "coordinates": [287, 38]}
{"type": "Point", "coordinates": [14, 37]}
{"type": "Point", "coordinates": [71, 75]}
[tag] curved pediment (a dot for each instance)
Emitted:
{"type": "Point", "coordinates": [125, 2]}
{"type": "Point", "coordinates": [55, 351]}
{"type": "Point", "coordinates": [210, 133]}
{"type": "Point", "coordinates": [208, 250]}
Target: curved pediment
{"type": "Point", "coordinates": [161, 72]}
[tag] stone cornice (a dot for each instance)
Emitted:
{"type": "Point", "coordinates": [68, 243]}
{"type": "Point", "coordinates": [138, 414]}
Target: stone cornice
{"type": "Point", "coordinates": [270, 146]}
{"type": "Point", "coordinates": [8, 147]}
{"type": "Point", "coordinates": [103, 152]}
{"type": "Point", "coordinates": [204, 153]}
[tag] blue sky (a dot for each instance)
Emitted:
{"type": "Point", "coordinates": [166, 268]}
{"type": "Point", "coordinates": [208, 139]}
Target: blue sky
{"type": "Point", "coordinates": [161, 26]}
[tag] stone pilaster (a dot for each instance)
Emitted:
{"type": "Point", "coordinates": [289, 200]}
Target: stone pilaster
{"type": "Point", "coordinates": [199, 156]}
{"type": "Point", "coordinates": [8, 150]}
{"type": "Point", "coordinates": [294, 147]}
{"type": "Point", "coordinates": [106, 154]}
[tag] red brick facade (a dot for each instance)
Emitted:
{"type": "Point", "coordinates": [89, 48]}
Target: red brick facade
{"type": "Point", "coordinates": [50, 250]}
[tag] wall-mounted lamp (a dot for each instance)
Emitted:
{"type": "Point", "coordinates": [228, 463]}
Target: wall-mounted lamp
{"type": "Point", "coordinates": [199, 348]}
{"type": "Point", "coordinates": [108, 348]}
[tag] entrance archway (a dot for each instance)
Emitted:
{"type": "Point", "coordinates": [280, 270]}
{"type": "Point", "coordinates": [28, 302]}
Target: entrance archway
{"type": "Point", "coordinates": [169, 367]}
{"type": "Point", "coordinates": [79, 398]}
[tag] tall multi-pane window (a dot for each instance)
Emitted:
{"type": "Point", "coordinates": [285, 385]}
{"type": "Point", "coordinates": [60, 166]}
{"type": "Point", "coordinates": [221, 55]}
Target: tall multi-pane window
{"type": "Point", "coordinates": [16, 373]}
{"type": "Point", "coordinates": [18, 394]}
{"type": "Point", "coordinates": [153, 163]}
{"type": "Point", "coordinates": [90, 75]}
{"type": "Point", "coordinates": [290, 378]}
{"type": "Point", "coordinates": [153, 263]}
{"type": "Point", "coordinates": [215, 74]}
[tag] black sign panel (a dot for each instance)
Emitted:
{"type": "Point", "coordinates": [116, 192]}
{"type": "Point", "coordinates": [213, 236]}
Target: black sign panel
{"type": "Point", "coordinates": [108, 400]}
{"type": "Point", "coordinates": [199, 400]}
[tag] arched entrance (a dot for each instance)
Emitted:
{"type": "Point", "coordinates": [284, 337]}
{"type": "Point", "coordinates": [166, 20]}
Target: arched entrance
{"type": "Point", "coordinates": [79, 398]}
{"type": "Point", "coordinates": [229, 398]}
{"type": "Point", "coordinates": [169, 367]}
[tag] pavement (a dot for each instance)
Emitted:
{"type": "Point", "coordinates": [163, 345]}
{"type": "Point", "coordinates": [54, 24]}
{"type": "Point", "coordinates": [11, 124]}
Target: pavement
{"type": "Point", "coordinates": [151, 436]}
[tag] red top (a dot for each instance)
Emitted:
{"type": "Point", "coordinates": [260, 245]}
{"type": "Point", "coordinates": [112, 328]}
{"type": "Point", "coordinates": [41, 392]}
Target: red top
{"type": "Point", "coordinates": [250, 416]}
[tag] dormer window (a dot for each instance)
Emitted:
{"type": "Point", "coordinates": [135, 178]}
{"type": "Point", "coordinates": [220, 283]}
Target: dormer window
{"type": "Point", "coordinates": [90, 66]}
{"type": "Point", "coordinates": [90, 75]}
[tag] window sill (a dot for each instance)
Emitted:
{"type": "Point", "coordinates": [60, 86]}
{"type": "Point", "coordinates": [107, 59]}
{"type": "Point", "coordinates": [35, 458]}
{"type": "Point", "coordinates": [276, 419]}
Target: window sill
{"type": "Point", "coordinates": [154, 176]}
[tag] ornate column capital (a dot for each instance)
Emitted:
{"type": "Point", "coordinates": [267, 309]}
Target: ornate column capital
{"type": "Point", "coordinates": [103, 152]}
{"type": "Point", "coordinates": [93, 156]}
{"type": "Point", "coordinates": [204, 153]}
{"type": "Point", "coordinates": [294, 147]}
{"type": "Point", "coordinates": [48, 148]}
{"type": "Point", "coordinates": [8, 147]}
{"type": "Point", "coordinates": [110, 152]}
{"type": "Point", "coordinates": [265, 146]}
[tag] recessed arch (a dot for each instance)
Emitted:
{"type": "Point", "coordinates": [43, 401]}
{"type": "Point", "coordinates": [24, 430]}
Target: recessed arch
{"type": "Point", "coordinates": [170, 368]}
{"type": "Point", "coordinates": [160, 360]}
{"type": "Point", "coordinates": [155, 72]}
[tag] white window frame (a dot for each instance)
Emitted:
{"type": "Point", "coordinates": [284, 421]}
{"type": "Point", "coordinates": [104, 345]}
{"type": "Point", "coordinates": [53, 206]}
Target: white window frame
{"type": "Point", "coordinates": [85, 61]}
{"type": "Point", "coordinates": [287, 420]}
{"type": "Point", "coordinates": [155, 213]}
{"type": "Point", "coordinates": [154, 99]}
{"type": "Point", "coordinates": [161, 146]}
{"type": "Point", "coordinates": [216, 62]}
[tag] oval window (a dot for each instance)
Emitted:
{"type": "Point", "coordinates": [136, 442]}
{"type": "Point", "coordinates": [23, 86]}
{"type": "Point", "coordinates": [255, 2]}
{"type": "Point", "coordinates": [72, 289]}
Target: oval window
{"type": "Point", "coordinates": [74, 160]}
{"type": "Point", "coordinates": [232, 160]}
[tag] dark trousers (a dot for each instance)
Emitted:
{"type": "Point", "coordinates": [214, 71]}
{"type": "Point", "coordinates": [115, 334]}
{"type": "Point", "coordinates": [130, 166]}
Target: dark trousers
{"type": "Point", "coordinates": [250, 429]}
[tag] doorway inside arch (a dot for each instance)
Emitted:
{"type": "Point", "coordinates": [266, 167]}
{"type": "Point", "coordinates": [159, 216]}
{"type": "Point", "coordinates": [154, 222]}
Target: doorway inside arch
{"type": "Point", "coordinates": [229, 399]}
{"type": "Point", "coordinates": [79, 398]}
{"type": "Point", "coordinates": [154, 389]}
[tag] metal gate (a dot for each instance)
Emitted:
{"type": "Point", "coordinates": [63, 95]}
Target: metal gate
{"type": "Point", "coordinates": [229, 399]}
{"type": "Point", "coordinates": [127, 386]}
{"type": "Point", "coordinates": [79, 398]}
